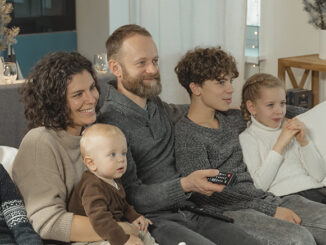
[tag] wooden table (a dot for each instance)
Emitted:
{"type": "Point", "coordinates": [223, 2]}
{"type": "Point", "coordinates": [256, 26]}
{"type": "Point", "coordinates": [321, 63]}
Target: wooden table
{"type": "Point", "coordinates": [308, 63]}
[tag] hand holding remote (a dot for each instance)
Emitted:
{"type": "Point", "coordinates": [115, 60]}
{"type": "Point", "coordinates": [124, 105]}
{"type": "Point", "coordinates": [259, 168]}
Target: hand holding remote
{"type": "Point", "coordinates": [197, 182]}
{"type": "Point", "coordinates": [223, 178]}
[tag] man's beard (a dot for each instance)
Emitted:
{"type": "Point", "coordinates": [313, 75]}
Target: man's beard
{"type": "Point", "coordinates": [137, 86]}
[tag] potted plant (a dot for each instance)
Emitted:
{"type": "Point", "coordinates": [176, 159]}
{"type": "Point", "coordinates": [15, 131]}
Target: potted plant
{"type": "Point", "coordinates": [317, 14]}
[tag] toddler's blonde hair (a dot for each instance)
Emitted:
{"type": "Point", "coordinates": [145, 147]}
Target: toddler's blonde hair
{"type": "Point", "coordinates": [99, 129]}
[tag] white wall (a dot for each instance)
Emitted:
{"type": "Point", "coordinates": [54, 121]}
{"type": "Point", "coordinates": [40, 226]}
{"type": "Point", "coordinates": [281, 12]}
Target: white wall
{"type": "Point", "coordinates": [118, 18]}
{"type": "Point", "coordinates": [285, 32]}
{"type": "Point", "coordinates": [92, 25]}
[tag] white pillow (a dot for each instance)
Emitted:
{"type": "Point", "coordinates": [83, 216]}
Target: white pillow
{"type": "Point", "coordinates": [7, 157]}
{"type": "Point", "coordinates": [315, 121]}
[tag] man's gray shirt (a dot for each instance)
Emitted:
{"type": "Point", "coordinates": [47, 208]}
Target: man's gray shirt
{"type": "Point", "coordinates": [151, 180]}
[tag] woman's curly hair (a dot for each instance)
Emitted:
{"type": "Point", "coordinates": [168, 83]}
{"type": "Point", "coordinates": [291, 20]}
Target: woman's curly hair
{"type": "Point", "coordinates": [251, 89]}
{"type": "Point", "coordinates": [44, 92]}
{"type": "Point", "coordinates": [203, 64]}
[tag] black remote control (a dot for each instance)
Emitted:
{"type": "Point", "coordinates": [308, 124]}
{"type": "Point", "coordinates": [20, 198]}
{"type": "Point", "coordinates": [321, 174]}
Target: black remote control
{"type": "Point", "coordinates": [223, 178]}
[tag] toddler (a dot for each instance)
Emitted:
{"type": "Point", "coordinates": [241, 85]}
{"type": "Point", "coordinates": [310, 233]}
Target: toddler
{"type": "Point", "coordinates": [279, 154]}
{"type": "Point", "coordinates": [100, 194]}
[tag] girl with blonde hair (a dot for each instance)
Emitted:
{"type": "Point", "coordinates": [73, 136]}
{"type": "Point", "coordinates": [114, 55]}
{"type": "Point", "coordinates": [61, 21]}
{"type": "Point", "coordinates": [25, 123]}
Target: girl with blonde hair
{"type": "Point", "coordinates": [279, 154]}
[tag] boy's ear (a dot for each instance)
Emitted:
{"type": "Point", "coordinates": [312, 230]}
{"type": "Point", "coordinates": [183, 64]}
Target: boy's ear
{"type": "Point", "coordinates": [194, 88]}
{"type": "Point", "coordinates": [251, 107]}
{"type": "Point", "coordinates": [90, 163]}
{"type": "Point", "coordinates": [115, 67]}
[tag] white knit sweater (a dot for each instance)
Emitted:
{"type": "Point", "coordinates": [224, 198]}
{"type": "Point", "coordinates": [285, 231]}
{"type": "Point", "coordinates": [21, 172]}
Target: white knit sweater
{"type": "Point", "coordinates": [297, 169]}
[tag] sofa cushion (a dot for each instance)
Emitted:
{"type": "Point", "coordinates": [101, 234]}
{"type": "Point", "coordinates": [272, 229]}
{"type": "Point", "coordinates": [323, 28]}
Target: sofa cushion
{"type": "Point", "coordinates": [7, 157]}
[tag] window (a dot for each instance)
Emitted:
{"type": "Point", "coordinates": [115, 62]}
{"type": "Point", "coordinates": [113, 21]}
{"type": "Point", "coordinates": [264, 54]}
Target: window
{"type": "Point", "coordinates": [252, 30]}
{"type": "Point", "coordinates": [253, 57]}
{"type": "Point", "coordinates": [36, 16]}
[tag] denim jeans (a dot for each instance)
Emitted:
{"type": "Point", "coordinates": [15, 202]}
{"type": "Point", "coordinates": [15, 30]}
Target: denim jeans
{"type": "Point", "coordinates": [185, 226]}
{"type": "Point", "coordinates": [272, 231]}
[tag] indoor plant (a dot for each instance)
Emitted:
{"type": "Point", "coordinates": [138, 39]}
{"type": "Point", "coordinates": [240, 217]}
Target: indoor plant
{"type": "Point", "coordinates": [317, 14]}
{"type": "Point", "coordinates": [7, 35]}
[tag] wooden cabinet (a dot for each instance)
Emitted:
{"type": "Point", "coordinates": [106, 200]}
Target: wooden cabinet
{"type": "Point", "coordinates": [308, 63]}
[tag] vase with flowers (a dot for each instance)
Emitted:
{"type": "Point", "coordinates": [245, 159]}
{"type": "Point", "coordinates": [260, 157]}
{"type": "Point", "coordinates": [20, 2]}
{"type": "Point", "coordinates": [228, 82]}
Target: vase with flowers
{"type": "Point", "coordinates": [7, 35]}
{"type": "Point", "coordinates": [317, 14]}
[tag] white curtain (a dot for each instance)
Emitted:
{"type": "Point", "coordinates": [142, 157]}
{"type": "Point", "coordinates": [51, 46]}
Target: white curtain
{"type": "Point", "coordinates": [180, 25]}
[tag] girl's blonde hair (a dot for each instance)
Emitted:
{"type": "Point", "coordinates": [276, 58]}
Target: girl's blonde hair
{"type": "Point", "coordinates": [251, 89]}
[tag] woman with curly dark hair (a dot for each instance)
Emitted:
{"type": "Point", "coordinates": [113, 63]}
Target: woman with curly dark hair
{"type": "Point", "coordinates": [45, 94]}
{"type": "Point", "coordinates": [60, 96]}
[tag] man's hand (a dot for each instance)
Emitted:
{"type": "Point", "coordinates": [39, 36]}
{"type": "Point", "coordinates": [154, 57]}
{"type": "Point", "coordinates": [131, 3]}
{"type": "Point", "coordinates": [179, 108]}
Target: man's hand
{"type": "Point", "coordinates": [134, 240]}
{"type": "Point", "coordinates": [142, 223]}
{"type": "Point", "coordinates": [197, 182]}
{"type": "Point", "coordinates": [287, 215]}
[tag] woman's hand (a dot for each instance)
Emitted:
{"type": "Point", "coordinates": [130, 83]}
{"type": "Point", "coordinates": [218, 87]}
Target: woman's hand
{"type": "Point", "coordinates": [296, 124]}
{"type": "Point", "coordinates": [142, 223]}
{"type": "Point", "coordinates": [134, 240]}
{"type": "Point", "coordinates": [129, 228]}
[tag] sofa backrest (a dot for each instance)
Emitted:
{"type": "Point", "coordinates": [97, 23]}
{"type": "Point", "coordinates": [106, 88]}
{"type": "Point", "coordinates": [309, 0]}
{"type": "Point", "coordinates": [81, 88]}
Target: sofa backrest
{"type": "Point", "coordinates": [12, 119]}
{"type": "Point", "coordinates": [13, 125]}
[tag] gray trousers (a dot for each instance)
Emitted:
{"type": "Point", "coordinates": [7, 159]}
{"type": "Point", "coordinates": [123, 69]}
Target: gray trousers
{"type": "Point", "coordinates": [272, 231]}
{"type": "Point", "coordinates": [171, 228]}
{"type": "Point", "coordinates": [316, 195]}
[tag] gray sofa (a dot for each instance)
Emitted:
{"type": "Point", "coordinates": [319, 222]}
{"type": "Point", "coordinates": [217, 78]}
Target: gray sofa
{"type": "Point", "coordinates": [13, 125]}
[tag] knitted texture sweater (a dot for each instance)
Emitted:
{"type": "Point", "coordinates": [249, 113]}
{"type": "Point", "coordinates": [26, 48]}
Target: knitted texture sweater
{"type": "Point", "coordinates": [151, 180]}
{"type": "Point", "coordinates": [14, 225]}
{"type": "Point", "coordinates": [199, 147]}
{"type": "Point", "coordinates": [297, 169]}
{"type": "Point", "coordinates": [104, 205]}
{"type": "Point", "coordinates": [46, 168]}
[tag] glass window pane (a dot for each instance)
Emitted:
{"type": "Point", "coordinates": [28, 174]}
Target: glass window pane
{"type": "Point", "coordinates": [253, 12]}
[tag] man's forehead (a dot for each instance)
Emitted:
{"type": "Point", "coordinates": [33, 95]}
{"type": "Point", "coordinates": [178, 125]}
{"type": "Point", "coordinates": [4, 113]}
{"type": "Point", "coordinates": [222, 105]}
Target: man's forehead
{"type": "Point", "coordinates": [138, 46]}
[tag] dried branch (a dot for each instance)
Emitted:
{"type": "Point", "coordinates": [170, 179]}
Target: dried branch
{"type": "Point", "coordinates": [7, 35]}
{"type": "Point", "coordinates": [317, 12]}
